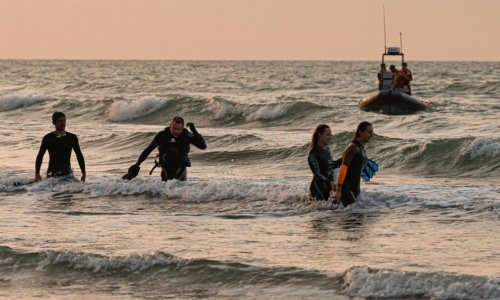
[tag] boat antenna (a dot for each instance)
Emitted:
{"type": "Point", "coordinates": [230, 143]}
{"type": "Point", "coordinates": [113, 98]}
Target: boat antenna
{"type": "Point", "coordinates": [401, 41]}
{"type": "Point", "coordinates": [385, 39]}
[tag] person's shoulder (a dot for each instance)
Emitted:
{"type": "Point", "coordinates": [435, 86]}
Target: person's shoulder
{"type": "Point", "coordinates": [71, 135]}
{"type": "Point", "coordinates": [49, 135]}
{"type": "Point", "coordinates": [353, 146]}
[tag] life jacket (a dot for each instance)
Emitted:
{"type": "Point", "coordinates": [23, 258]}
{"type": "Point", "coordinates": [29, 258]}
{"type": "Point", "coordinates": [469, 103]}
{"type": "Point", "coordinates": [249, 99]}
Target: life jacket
{"type": "Point", "coordinates": [398, 78]}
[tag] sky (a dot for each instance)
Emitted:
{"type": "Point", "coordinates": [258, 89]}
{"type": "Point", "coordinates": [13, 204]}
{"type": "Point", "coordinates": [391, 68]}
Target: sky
{"type": "Point", "coordinates": [433, 30]}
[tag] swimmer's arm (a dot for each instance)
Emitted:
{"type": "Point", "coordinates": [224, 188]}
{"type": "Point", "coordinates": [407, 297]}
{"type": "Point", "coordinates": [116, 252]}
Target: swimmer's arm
{"type": "Point", "coordinates": [39, 157]}
{"type": "Point", "coordinates": [313, 164]}
{"type": "Point", "coordinates": [79, 155]}
{"type": "Point", "coordinates": [155, 143]}
{"type": "Point", "coordinates": [349, 153]}
{"type": "Point", "coordinates": [197, 140]}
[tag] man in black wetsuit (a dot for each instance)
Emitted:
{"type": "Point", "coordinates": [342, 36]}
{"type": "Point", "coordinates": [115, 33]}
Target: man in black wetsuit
{"type": "Point", "coordinates": [321, 163]}
{"type": "Point", "coordinates": [59, 143]}
{"type": "Point", "coordinates": [173, 144]}
{"type": "Point", "coordinates": [353, 162]}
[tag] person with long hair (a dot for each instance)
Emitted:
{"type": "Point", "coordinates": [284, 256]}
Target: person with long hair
{"type": "Point", "coordinates": [353, 161]}
{"type": "Point", "coordinates": [321, 163]}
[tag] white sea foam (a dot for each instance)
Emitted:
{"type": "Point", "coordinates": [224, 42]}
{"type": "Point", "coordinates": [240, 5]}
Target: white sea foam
{"type": "Point", "coordinates": [200, 190]}
{"type": "Point", "coordinates": [16, 101]}
{"type": "Point", "coordinates": [124, 111]}
{"type": "Point", "coordinates": [223, 109]}
{"type": "Point", "coordinates": [98, 263]}
{"type": "Point", "coordinates": [373, 283]}
{"type": "Point", "coordinates": [267, 113]}
{"type": "Point", "coordinates": [482, 146]}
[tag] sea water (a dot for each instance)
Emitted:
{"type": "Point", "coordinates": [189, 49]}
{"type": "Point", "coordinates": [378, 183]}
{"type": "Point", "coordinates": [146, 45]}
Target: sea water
{"type": "Point", "coordinates": [425, 227]}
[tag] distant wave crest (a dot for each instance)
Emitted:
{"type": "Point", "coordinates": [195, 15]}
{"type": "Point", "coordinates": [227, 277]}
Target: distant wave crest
{"type": "Point", "coordinates": [15, 101]}
{"type": "Point", "coordinates": [121, 110]}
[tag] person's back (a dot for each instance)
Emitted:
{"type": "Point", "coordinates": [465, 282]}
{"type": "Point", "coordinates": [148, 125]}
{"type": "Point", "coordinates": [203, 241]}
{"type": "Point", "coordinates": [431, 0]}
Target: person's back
{"type": "Point", "coordinates": [407, 78]}
{"type": "Point", "coordinates": [397, 78]}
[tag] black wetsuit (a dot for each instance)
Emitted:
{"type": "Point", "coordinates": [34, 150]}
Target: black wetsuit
{"type": "Point", "coordinates": [321, 164]}
{"type": "Point", "coordinates": [355, 159]}
{"type": "Point", "coordinates": [173, 152]}
{"type": "Point", "coordinates": [59, 154]}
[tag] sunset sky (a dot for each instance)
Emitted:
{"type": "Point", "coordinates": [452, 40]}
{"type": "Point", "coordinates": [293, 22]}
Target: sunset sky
{"type": "Point", "coordinates": [248, 29]}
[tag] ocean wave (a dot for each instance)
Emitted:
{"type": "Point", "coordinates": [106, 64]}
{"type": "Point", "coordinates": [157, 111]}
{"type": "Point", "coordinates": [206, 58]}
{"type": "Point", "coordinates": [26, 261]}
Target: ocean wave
{"type": "Point", "coordinates": [121, 110]}
{"type": "Point", "coordinates": [16, 101]}
{"type": "Point", "coordinates": [468, 156]}
{"type": "Point", "coordinates": [267, 113]}
{"type": "Point", "coordinates": [387, 284]}
{"type": "Point", "coordinates": [157, 269]}
{"type": "Point", "coordinates": [58, 263]}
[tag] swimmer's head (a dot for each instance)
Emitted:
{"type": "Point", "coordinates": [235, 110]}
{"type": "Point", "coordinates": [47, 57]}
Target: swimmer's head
{"type": "Point", "coordinates": [177, 126]}
{"type": "Point", "coordinates": [59, 120]}
{"type": "Point", "coordinates": [321, 136]}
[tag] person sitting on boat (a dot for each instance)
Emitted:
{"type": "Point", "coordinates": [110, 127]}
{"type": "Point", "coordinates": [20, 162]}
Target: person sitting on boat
{"type": "Point", "coordinates": [380, 76]}
{"type": "Point", "coordinates": [398, 78]}
{"type": "Point", "coordinates": [408, 77]}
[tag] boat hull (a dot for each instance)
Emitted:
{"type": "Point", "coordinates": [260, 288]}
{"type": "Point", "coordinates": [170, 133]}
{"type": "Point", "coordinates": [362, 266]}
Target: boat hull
{"type": "Point", "coordinates": [391, 103]}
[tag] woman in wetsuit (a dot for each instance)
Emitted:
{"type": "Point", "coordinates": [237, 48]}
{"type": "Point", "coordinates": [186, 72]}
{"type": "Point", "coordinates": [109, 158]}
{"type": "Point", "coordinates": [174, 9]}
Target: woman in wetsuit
{"type": "Point", "coordinates": [353, 162]}
{"type": "Point", "coordinates": [321, 163]}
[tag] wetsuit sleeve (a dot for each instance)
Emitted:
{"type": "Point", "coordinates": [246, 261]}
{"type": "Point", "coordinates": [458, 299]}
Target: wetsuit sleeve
{"type": "Point", "coordinates": [155, 143]}
{"type": "Point", "coordinates": [41, 153]}
{"type": "Point", "coordinates": [196, 139]}
{"type": "Point", "coordinates": [79, 155]}
{"type": "Point", "coordinates": [314, 165]}
{"type": "Point", "coordinates": [349, 153]}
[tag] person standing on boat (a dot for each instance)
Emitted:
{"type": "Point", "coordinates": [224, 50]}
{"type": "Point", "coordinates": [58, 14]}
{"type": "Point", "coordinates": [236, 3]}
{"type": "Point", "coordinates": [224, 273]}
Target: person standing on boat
{"type": "Point", "coordinates": [380, 76]}
{"type": "Point", "coordinates": [321, 164]}
{"type": "Point", "coordinates": [397, 78]}
{"type": "Point", "coordinates": [353, 161]}
{"type": "Point", "coordinates": [407, 78]}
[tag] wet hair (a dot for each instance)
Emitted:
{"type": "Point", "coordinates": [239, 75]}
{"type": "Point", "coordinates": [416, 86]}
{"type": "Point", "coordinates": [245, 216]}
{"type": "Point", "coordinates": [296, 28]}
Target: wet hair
{"type": "Point", "coordinates": [361, 127]}
{"type": "Point", "coordinates": [178, 120]}
{"type": "Point", "coordinates": [315, 137]}
{"type": "Point", "coordinates": [57, 115]}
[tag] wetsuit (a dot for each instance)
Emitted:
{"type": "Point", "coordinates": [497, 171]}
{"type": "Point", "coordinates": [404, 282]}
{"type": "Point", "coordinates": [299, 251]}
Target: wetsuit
{"type": "Point", "coordinates": [173, 152]}
{"type": "Point", "coordinates": [353, 162]}
{"type": "Point", "coordinates": [321, 164]}
{"type": "Point", "coordinates": [59, 148]}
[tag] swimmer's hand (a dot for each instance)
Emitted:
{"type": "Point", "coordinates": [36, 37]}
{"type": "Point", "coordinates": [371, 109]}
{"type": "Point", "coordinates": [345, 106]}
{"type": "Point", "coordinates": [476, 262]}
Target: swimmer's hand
{"type": "Point", "coordinates": [191, 127]}
{"type": "Point", "coordinates": [336, 198]}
